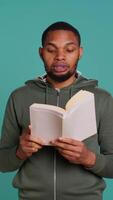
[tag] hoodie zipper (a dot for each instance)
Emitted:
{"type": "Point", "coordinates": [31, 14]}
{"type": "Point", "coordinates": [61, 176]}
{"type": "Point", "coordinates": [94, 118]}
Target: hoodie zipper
{"type": "Point", "coordinates": [58, 98]}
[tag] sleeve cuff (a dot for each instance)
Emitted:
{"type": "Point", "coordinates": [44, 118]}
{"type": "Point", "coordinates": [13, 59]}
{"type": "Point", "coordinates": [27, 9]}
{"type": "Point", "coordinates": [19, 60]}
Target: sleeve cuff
{"type": "Point", "coordinates": [99, 165]}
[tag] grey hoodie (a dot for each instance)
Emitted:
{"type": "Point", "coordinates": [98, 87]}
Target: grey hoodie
{"type": "Point", "coordinates": [46, 174]}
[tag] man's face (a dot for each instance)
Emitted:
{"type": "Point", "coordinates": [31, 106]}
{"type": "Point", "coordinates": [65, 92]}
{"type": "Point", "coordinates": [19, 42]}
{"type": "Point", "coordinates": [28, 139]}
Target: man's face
{"type": "Point", "coordinates": [60, 54]}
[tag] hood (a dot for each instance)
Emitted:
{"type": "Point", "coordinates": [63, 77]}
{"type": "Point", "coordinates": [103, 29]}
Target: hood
{"type": "Point", "coordinates": [80, 83]}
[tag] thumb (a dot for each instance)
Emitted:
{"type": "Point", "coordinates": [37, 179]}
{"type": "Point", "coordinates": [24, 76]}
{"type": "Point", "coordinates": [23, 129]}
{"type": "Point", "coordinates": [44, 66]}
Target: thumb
{"type": "Point", "coordinates": [27, 130]}
{"type": "Point", "coordinates": [29, 127]}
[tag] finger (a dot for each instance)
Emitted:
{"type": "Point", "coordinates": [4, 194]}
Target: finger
{"type": "Point", "coordinates": [30, 144]}
{"type": "Point", "coordinates": [63, 145]}
{"type": "Point", "coordinates": [25, 134]}
{"type": "Point", "coordinates": [72, 159]}
{"type": "Point", "coordinates": [36, 140]}
{"type": "Point", "coordinates": [69, 141]}
{"type": "Point", "coordinates": [30, 149]}
{"type": "Point", "coordinates": [69, 158]}
{"type": "Point", "coordinates": [66, 152]}
{"type": "Point", "coordinates": [26, 130]}
{"type": "Point", "coordinates": [29, 127]}
{"type": "Point", "coordinates": [69, 153]}
{"type": "Point", "coordinates": [74, 146]}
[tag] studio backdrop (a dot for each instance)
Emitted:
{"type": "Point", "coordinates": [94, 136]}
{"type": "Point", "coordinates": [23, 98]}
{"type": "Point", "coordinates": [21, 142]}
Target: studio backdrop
{"type": "Point", "coordinates": [21, 25]}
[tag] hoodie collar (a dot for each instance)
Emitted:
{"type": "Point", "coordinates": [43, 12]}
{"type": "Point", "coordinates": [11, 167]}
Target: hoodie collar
{"type": "Point", "coordinates": [81, 82]}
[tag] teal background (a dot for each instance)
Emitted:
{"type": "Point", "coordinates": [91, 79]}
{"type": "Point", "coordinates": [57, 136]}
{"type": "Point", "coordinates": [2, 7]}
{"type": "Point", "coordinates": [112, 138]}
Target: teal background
{"type": "Point", "coordinates": [21, 26]}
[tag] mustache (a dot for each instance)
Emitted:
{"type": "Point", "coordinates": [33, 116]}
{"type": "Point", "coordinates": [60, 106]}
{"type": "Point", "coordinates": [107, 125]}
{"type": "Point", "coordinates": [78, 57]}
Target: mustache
{"type": "Point", "coordinates": [60, 65]}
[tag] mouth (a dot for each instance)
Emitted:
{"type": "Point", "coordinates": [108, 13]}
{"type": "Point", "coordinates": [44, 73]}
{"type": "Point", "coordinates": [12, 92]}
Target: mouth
{"type": "Point", "coordinates": [60, 67]}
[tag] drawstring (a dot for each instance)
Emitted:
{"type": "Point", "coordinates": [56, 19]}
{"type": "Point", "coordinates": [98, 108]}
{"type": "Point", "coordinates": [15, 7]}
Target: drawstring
{"type": "Point", "coordinates": [72, 87]}
{"type": "Point", "coordinates": [46, 94]}
{"type": "Point", "coordinates": [46, 89]}
{"type": "Point", "coordinates": [71, 92]}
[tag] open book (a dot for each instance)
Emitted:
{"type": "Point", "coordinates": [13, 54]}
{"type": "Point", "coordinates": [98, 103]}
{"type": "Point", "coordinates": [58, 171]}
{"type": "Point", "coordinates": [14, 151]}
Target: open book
{"type": "Point", "coordinates": [76, 121]}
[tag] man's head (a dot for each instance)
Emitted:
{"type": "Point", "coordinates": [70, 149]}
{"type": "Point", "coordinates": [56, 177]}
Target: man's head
{"type": "Point", "coordinates": [60, 51]}
{"type": "Point", "coordinates": [60, 26]}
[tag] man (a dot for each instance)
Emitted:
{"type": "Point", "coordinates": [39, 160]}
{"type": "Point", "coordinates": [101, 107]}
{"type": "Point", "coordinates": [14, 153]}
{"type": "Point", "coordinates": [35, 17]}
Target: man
{"type": "Point", "coordinates": [68, 169]}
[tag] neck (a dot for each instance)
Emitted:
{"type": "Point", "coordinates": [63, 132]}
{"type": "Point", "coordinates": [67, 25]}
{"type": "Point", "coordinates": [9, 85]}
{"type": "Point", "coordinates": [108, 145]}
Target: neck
{"type": "Point", "coordinates": [63, 84]}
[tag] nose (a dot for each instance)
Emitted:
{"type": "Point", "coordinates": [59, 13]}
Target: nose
{"type": "Point", "coordinates": [60, 55]}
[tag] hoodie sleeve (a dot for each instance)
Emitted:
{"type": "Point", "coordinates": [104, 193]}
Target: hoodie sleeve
{"type": "Point", "coordinates": [104, 161]}
{"type": "Point", "coordinates": [10, 139]}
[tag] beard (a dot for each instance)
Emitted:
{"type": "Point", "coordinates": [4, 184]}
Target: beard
{"type": "Point", "coordinates": [60, 77]}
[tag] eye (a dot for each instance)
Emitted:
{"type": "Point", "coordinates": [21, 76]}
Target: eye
{"type": "Point", "coordinates": [51, 49]}
{"type": "Point", "coordinates": [70, 50]}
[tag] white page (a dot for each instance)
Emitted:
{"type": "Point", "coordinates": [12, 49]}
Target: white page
{"type": "Point", "coordinates": [81, 123]}
{"type": "Point", "coordinates": [45, 125]}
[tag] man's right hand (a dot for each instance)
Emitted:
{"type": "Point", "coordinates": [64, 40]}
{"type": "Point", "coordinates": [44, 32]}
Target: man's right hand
{"type": "Point", "coordinates": [28, 145]}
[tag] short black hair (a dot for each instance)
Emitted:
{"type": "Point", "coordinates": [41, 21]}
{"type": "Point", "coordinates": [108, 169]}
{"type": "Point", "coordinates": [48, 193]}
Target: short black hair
{"type": "Point", "coordinates": [61, 26]}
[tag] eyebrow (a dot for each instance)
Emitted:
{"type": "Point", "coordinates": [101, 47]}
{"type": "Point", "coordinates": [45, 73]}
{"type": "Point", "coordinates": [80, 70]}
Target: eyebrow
{"type": "Point", "coordinates": [67, 43]}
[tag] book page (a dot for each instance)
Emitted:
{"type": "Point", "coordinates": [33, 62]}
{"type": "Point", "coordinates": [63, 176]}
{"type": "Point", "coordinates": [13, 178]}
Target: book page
{"type": "Point", "coordinates": [80, 123]}
{"type": "Point", "coordinates": [48, 108]}
{"type": "Point", "coordinates": [45, 125]}
{"type": "Point", "coordinates": [77, 98]}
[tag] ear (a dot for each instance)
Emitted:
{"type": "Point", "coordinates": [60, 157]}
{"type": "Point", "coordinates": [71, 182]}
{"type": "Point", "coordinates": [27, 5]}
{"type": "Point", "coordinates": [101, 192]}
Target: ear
{"type": "Point", "coordinates": [41, 52]}
{"type": "Point", "coordinates": [80, 52]}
